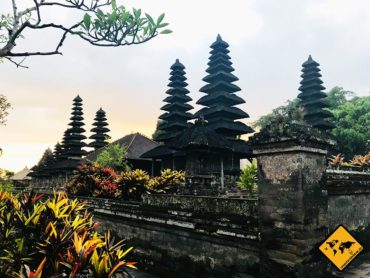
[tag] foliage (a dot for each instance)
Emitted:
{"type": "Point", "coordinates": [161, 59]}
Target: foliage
{"type": "Point", "coordinates": [133, 184]}
{"type": "Point", "coordinates": [56, 237]}
{"type": "Point", "coordinates": [93, 180]}
{"type": "Point", "coordinates": [336, 160]}
{"type": "Point", "coordinates": [338, 96]}
{"type": "Point", "coordinates": [351, 119]}
{"type": "Point", "coordinates": [114, 156]}
{"type": "Point", "coordinates": [5, 174]}
{"type": "Point", "coordinates": [6, 185]}
{"type": "Point", "coordinates": [167, 182]}
{"type": "Point", "coordinates": [285, 113]}
{"type": "Point", "coordinates": [360, 161]}
{"type": "Point", "coordinates": [97, 181]}
{"type": "Point", "coordinates": [248, 177]}
{"type": "Point", "coordinates": [4, 109]}
{"type": "Point", "coordinates": [102, 23]}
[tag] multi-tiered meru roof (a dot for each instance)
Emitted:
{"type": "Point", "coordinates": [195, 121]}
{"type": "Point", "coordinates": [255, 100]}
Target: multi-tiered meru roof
{"type": "Point", "coordinates": [58, 152]}
{"type": "Point", "coordinates": [74, 135]}
{"type": "Point", "coordinates": [177, 107]}
{"type": "Point", "coordinates": [220, 99]}
{"type": "Point", "coordinates": [313, 99]}
{"type": "Point", "coordinates": [100, 131]}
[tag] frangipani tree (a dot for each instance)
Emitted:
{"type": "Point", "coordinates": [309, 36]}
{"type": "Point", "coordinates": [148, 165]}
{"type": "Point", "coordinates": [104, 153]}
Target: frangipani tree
{"type": "Point", "coordinates": [102, 23]}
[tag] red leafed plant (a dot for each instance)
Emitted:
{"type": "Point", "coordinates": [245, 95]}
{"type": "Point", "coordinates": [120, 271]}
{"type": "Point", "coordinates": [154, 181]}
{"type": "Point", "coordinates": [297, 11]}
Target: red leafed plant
{"type": "Point", "coordinates": [94, 180]}
{"type": "Point", "coordinates": [55, 237]}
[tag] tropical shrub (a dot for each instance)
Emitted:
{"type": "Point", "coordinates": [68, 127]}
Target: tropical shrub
{"type": "Point", "coordinates": [358, 161]}
{"type": "Point", "coordinates": [336, 160]}
{"type": "Point", "coordinates": [248, 177]}
{"type": "Point", "coordinates": [93, 180]}
{"type": "Point", "coordinates": [6, 185]}
{"type": "Point", "coordinates": [114, 156]}
{"type": "Point", "coordinates": [167, 182]}
{"type": "Point", "coordinates": [55, 237]}
{"type": "Point", "coordinates": [361, 160]}
{"type": "Point", "coordinates": [97, 181]}
{"type": "Point", "coordinates": [133, 184]}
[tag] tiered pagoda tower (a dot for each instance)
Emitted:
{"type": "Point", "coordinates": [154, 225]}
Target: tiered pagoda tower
{"type": "Point", "coordinates": [220, 98]}
{"type": "Point", "coordinates": [312, 97]}
{"type": "Point", "coordinates": [58, 152]}
{"type": "Point", "coordinates": [100, 130]}
{"type": "Point", "coordinates": [73, 137]}
{"type": "Point", "coordinates": [47, 160]}
{"type": "Point", "coordinates": [177, 107]}
{"type": "Point", "coordinates": [64, 149]}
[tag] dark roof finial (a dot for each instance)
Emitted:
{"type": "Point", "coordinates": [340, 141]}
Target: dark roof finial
{"type": "Point", "coordinates": [219, 37]}
{"type": "Point", "coordinates": [77, 98]}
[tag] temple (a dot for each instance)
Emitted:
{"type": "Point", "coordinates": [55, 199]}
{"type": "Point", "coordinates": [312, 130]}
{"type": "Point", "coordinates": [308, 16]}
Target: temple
{"type": "Point", "coordinates": [208, 145]}
{"type": "Point", "coordinates": [312, 97]}
{"type": "Point", "coordinates": [177, 116]}
{"type": "Point", "coordinates": [75, 135]}
{"type": "Point", "coordinates": [220, 98]}
{"type": "Point", "coordinates": [173, 122]}
{"type": "Point", "coordinates": [206, 163]}
{"type": "Point", "coordinates": [100, 131]}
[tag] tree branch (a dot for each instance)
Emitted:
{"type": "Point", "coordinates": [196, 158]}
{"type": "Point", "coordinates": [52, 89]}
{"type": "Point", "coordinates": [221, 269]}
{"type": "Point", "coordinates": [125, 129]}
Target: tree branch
{"type": "Point", "coordinates": [109, 29]}
{"type": "Point", "coordinates": [18, 64]}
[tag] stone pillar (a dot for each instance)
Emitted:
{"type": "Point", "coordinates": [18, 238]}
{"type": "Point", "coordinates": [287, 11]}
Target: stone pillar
{"type": "Point", "coordinates": [292, 206]}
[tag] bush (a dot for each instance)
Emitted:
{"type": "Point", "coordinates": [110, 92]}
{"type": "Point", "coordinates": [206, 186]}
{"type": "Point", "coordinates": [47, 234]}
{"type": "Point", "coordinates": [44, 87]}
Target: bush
{"type": "Point", "coordinates": [248, 177]}
{"type": "Point", "coordinates": [113, 157]}
{"type": "Point", "coordinates": [56, 237]}
{"type": "Point", "coordinates": [133, 184]}
{"type": "Point", "coordinates": [6, 185]}
{"type": "Point", "coordinates": [168, 182]}
{"type": "Point", "coordinates": [358, 161]}
{"type": "Point", "coordinates": [94, 180]}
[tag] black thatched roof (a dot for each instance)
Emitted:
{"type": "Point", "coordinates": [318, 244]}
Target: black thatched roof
{"type": "Point", "coordinates": [136, 144]}
{"type": "Point", "coordinates": [159, 152]}
{"type": "Point", "coordinates": [313, 99]}
{"type": "Point", "coordinates": [200, 136]}
{"type": "Point", "coordinates": [242, 148]}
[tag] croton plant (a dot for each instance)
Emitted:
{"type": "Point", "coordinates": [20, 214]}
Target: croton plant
{"type": "Point", "coordinates": [55, 237]}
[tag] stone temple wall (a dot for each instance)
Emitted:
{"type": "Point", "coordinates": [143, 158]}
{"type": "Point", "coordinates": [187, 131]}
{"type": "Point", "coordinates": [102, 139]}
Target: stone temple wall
{"type": "Point", "coordinates": [196, 236]}
{"type": "Point", "coordinates": [349, 202]}
{"type": "Point", "coordinates": [49, 184]}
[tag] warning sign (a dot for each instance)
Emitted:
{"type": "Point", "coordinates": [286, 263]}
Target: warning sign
{"type": "Point", "coordinates": [341, 248]}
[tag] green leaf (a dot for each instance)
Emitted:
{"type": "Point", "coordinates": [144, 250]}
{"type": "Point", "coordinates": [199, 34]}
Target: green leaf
{"type": "Point", "coordinates": [87, 21]}
{"type": "Point", "coordinates": [100, 14]}
{"type": "Point", "coordinates": [166, 31]}
{"type": "Point", "coordinates": [124, 16]}
{"type": "Point", "coordinates": [114, 4]}
{"type": "Point", "coordinates": [137, 13]}
{"type": "Point", "coordinates": [113, 16]}
{"type": "Point", "coordinates": [163, 25]}
{"type": "Point", "coordinates": [150, 19]}
{"type": "Point", "coordinates": [160, 18]}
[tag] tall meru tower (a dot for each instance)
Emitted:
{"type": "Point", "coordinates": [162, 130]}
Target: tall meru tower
{"type": "Point", "coordinates": [312, 97]}
{"type": "Point", "coordinates": [220, 99]}
{"type": "Point", "coordinates": [177, 116]}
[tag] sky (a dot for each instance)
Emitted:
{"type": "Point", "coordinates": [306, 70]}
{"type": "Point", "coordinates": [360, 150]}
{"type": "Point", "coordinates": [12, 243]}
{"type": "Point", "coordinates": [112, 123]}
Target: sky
{"type": "Point", "coordinates": [269, 40]}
